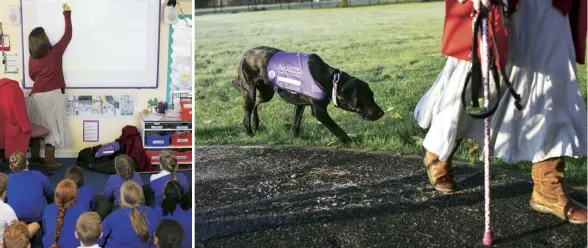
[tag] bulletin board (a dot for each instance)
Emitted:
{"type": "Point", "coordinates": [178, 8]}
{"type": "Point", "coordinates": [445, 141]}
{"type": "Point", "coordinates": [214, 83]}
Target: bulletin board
{"type": "Point", "coordinates": [180, 61]}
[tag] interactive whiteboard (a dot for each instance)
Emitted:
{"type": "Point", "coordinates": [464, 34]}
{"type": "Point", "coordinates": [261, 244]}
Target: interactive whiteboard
{"type": "Point", "coordinates": [115, 43]}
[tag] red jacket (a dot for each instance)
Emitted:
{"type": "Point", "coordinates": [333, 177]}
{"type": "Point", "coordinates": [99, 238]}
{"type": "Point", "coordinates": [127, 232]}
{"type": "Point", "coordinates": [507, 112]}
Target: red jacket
{"type": "Point", "coordinates": [15, 127]}
{"type": "Point", "coordinates": [457, 29]}
{"type": "Point", "coordinates": [134, 147]}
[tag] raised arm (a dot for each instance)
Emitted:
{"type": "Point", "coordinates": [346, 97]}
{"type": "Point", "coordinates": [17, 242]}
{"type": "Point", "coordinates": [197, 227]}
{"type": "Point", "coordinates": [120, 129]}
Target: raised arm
{"type": "Point", "coordinates": [66, 38]}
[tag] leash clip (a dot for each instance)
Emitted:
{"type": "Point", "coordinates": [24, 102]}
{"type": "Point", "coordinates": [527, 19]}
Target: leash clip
{"type": "Point", "coordinates": [336, 78]}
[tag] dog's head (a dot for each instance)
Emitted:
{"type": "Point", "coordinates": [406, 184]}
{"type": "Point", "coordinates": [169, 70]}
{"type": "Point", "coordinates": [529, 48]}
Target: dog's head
{"type": "Point", "coordinates": [356, 96]}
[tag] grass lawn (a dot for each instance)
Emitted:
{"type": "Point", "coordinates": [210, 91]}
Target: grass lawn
{"type": "Point", "coordinates": [393, 47]}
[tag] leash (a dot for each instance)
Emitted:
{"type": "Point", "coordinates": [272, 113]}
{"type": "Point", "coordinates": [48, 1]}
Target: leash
{"type": "Point", "coordinates": [478, 108]}
{"type": "Point", "coordinates": [336, 78]}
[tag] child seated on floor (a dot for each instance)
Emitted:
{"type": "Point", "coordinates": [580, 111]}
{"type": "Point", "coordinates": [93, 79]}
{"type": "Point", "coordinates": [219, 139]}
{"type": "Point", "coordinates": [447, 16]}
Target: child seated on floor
{"type": "Point", "coordinates": [169, 167]}
{"type": "Point", "coordinates": [133, 224]}
{"type": "Point", "coordinates": [125, 171]}
{"type": "Point", "coordinates": [59, 219]}
{"type": "Point", "coordinates": [85, 194]}
{"type": "Point", "coordinates": [169, 234]}
{"type": "Point", "coordinates": [89, 229]}
{"type": "Point", "coordinates": [177, 205]}
{"type": "Point", "coordinates": [7, 214]}
{"type": "Point", "coordinates": [27, 190]}
{"type": "Point", "coordinates": [15, 235]}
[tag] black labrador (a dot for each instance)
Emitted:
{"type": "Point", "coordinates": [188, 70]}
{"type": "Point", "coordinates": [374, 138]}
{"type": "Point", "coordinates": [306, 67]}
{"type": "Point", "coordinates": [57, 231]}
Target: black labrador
{"type": "Point", "coordinates": [352, 94]}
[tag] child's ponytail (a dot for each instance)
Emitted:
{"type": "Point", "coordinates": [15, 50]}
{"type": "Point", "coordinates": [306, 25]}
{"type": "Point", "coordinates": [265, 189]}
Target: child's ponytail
{"type": "Point", "coordinates": [169, 162]}
{"type": "Point", "coordinates": [66, 194]}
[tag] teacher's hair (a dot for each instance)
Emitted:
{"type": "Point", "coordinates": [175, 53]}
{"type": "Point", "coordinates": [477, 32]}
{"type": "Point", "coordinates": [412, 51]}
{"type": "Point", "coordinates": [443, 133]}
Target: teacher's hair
{"type": "Point", "coordinates": [38, 43]}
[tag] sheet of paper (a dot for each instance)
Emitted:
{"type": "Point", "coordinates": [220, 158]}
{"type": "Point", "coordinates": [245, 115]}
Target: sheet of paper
{"type": "Point", "coordinates": [11, 65]}
{"type": "Point", "coordinates": [6, 42]}
{"type": "Point", "coordinates": [91, 131]}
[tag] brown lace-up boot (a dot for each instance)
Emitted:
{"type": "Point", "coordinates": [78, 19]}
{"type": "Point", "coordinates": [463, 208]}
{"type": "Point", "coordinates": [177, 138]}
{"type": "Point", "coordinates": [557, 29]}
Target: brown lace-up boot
{"type": "Point", "coordinates": [439, 173]}
{"type": "Point", "coordinates": [548, 194]}
{"type": "Point", "coordinates": [50, 162]}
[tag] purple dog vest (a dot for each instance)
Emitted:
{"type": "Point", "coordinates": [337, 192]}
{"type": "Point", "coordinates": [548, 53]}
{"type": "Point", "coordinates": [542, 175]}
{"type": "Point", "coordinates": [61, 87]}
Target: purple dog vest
{"type": "Point", "coordinates": [290, 71]}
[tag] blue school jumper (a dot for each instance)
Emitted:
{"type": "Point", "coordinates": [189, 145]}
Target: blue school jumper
{"type": "Point", "coordinates": [113, 186]}
{"type": "Point", "coordinates": [118, 230]}
{"type": "Point", "coordinates": [67, 237]}
{"type": "Point", "coordinates": [85, 197]}
{"type": "Point", "coordinates": [158, 184]}
{"type": "Point", "coordinates": [184, 217]}
{"type": "Point", "coordinates": [26, 194]}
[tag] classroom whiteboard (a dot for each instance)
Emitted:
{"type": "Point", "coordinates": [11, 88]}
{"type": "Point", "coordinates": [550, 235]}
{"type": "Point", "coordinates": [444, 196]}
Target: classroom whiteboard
{"type": "Point", "coordinates": [115, 43]}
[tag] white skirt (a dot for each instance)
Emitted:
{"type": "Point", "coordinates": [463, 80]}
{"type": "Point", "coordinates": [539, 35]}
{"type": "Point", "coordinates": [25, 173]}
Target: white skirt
{"type": "Point", "coordinates": [541, 64]}
{"type": "Point", "coordinates": [47, 109]}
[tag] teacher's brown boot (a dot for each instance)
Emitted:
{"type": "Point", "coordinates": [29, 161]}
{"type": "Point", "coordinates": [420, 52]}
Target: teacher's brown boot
{"type": "Point", "coordinates": [439, 173]}
{"type": "Point", "coordinates": [548, 194]}
{"type": "Point", "coordinates": [50, 162]}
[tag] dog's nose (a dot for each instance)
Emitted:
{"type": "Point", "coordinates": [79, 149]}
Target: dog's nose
{"type": "Point", "coordinates": [380, 113]}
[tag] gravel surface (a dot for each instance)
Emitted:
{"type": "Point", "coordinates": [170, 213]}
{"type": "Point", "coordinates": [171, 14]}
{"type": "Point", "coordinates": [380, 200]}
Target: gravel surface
{"type": "Point", "coordinates": [304, 197]}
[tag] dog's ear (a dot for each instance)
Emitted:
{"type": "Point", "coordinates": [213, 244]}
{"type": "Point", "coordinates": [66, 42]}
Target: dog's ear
{"type": "Point", "coordinates": [349, 95]}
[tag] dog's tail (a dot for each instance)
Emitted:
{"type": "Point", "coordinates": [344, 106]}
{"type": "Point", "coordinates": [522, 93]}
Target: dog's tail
{"type": "Point", "coordinates": [241, 75]}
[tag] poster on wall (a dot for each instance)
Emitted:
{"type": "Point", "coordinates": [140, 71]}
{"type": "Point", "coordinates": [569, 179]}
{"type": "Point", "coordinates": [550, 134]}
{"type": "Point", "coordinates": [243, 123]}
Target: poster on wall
{"type": "Point", "coordinates": [100, 105]}
{"type": "Point", "coordinates": [91, 131]}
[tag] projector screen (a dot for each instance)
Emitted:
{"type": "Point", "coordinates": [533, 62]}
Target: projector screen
{"type": "Point", "coordinates": [115, 43]}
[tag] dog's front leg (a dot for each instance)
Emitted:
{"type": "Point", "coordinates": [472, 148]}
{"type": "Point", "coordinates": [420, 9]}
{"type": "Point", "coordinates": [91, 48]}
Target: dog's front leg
{"type": "Point", "coordinates": [320, 113]}
{"type": "Point", "coordinates": [298, 111]}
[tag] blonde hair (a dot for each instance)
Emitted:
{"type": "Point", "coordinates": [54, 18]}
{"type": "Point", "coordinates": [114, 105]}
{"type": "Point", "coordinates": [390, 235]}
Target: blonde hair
{"type": "Point", "coordinates": [89, 228]}
{"type": "Point", "coordinates": [124, 166]}
{"type": "Point", "coordinates": [3, 183]}
{"type": "Point", "coordinates": [18, 162]}
{"type": "Point", "coordinates": [66, 194]}
{"type": "Point", "coordinates": [131, 196]}
{"type": "Point", "coordinates": [16, 235]}
{"type": "Point", "coordinates": [169, 162]}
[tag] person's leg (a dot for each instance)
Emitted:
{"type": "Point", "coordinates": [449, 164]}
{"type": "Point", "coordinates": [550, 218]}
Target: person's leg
{"type": "Point", "coordinates": [103, 207]}
{"type": "Point", "coordinates": [149, 195]}
{"type": "Point", "coordinates": [36, 150]}
{"type": "Point", "coordinates": [441, 112]}
{"type": "Point", "coordinates": [548, 195]}
{"type": "Point", "coordinates": [50, 161]}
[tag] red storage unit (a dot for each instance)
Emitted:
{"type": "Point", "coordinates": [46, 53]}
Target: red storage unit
{"type": "Point", "coordinates": [181, 139]}
{"type": "Point", "coordinates": [184, 157]}
{"type": "Point", "coordinates": [186, 109]}
{"type": "Point", "coordinates": [153, 156]}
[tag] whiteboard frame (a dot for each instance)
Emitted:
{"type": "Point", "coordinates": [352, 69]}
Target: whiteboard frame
{"type": "Point", "coordinates": [25, 73]}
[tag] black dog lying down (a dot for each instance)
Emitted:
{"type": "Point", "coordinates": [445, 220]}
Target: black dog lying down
{"type": "Point", "coordinates": [302, 80]}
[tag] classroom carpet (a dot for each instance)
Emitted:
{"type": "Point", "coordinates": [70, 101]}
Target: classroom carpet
{"type": "Point", "coordinates": [95, 180]}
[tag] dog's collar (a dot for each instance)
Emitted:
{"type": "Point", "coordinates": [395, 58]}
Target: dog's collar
{"type": "Point", "coordinates": [336, 78]}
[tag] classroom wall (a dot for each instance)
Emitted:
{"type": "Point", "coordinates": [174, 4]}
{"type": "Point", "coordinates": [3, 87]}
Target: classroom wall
{"type": "Point", "coordinates": [110, 127]}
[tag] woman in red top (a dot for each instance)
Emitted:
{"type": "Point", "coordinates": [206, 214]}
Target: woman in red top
{"type": "Point", "coordinates": [545, 39]}
{"type": "Point", "coordinates": [47, 102]}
